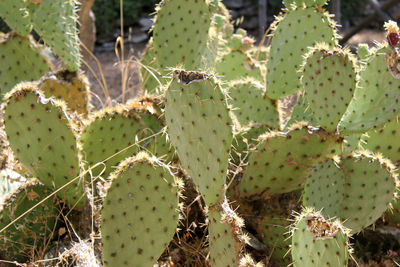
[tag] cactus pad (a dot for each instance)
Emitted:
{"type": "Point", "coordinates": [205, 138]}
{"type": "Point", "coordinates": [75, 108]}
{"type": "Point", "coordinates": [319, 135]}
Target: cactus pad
{"type": "Point", "coordinates": [250, 105]}
{"type": "Point", "coordinates": [27, 237]}
{"type": "Point", "coordinates": [295, 32]}
{"type": "Point", "coordinates": [293, 154]}
{"type": "Point", "coordinates": [16, 14]}
{"type": "Point", "coordinates": [200, 128]}
{"type": "Point", "coordinates": [20, 60]}
{"type": "Point", "coordinates": [140, 213]}
{"type": "Point", "coordinates": [110, 131]}
{"type": "Point", "coordinates": [341, 189]}
{"type": "Point", "coordinates": [319, 242]}
{"type": "Point", "coordinates": [68, 86]}
{"type": "Point", "coordinates": [329, 80]}
{"type": "Point", "coordinates": [180, 33]}
{"type": "Point", "coordinates": [149, 63]}
{"type": "Point", "coordinates": [302, 113]}
{"type": "Point", "coordinates": [42, 137]}
{"type": "Point", "coordinates": [376, 100]}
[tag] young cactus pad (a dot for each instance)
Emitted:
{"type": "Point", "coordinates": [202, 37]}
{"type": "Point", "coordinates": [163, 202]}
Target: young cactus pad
{"type": "Point", "coordinates": [200, 128]}
{"type": "Point", "coordinates": [342, 189]}
{"type": "Point", "coordinates": [20, 60]}
{"type": "Point", "coordinates": [329, 81]}
{"type": "Point", "coordinates": [377, 98]}
{"type": "Point", "coordinates": [42, 137]}
{"type": "Point", "coordinates": [295, 32]}
{"type": "Point", "coordinates": [27, 237]}
{"type": "Point", "coordinates": [109, 132]}
{"type": "Point", "coordinates": [282, 160]}
{"type": "Point", "coordinates": [180, 33]}
{"type": "Point", "coordinates": [140, 213]}
{"type": "Point", "coordinates": [319, 242]}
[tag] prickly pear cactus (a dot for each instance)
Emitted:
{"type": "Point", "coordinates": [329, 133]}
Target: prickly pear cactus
{"type": "Point", "coordinates": [340, 189]}
{"type": "Point", "coordinates": [140, 212]}
{"type": "Point", "coordinates": [384, 140]}
{"type": "Point", "coordinates": [294, 33]}
{"type": "Point", "coordinates": [302, 113]}
{"type": "Point", "coordinates": [27, 237]}
{"type": "Point", "coordinates": [21, 60]}
{"type": "Point", "coordinates": [376, 100]}
{"type": "Point", "coordinates": [16, 14]}
{"type": "Point", "coordinates": [69, 86]}
{"type": "Point", "coordinates": [200, 128]}
{"type": "Point", "coordinates": [292, 153]}
{"type": "Point", "coordinates": [150, 73]}
{"type": "Point", "coordinates": [298, 3]}
{"type": "Point", "coordinates": [329, 81]}
{"type": "Point", "coordinates": [42, 136]}
{"type": "Point", "coordinates": [180, 33]}
{"type": "Point", "coordinates": [225, 237]}
{"type": "Point", "coordinates": [250, 105]}
{"type": "Point", "coordinates": [110, 131]}
{"type": "Point", "coordinates": [317, 241]}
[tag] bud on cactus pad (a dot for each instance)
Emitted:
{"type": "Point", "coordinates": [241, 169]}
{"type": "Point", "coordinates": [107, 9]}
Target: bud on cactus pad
{"type": "Point", "coordinates": [42, 136]}
{"type": "Point", "coordinates": [319, 242]}
{"type": "Point", "coordinates": [200, 128]}
{"type": "Point", "coordinates": [20, 60]}
{"type": "Point", "coordinates": [140, 213]}
{"type": "Point", "coordinates": [294, 33]}
{"type": "Point", "coordinates": [342, 190]}
{"type": "Point", "coordinates": [292, 153]}
{"type": "Point", "coordinates": [392, 33]}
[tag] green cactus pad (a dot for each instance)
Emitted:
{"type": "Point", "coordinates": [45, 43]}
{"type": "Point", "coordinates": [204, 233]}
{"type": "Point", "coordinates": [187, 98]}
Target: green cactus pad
{"type": "Point", "coordinates": [250, 105]}
{"type": "Point", "coordinates": [69, 86]}
{"type": "Point", "coordinates": [225, 237]}
{"type": "Point", "coordinates": [290, 4]}
{"type": "Point", "coordinates": [329, 81]}
{"type": "Point", "coordinates": [140, 213]}
{"type": "Point", "coordinates": [56, 23]}
{"type": "Point", "coordinates": [237, 64]}
{"type": "Point", "coordinates": [319, 242]}
{"type": "Point", "coordinates": [16, 14]}
{"type": "Point", "coordinates": [377, 98]}
{"type": "Point", "coordinates": [27, 237]}
{"type": "Point", "coordinates": [42, 138]}
{"type": "Point", "coordinates": [296, 31]}
{"type": "Point", "coordinates": [341, 189]}
{"type": "Point", "coordinates": [302, 113]}
{"type": "Point", "coordinates": [200, 128]}
{"type": "Point", "coordinates": [150, 70]}
{"type": "Point", "coordinates": [282, 160]}
{"type": "Point", "coordinates": [384, 140]}
{"type": "Point", "coordinates": [351, 143]}
{"type": "Point", "coordinates": [110, 131]}
{"type": "Point", "coordinates": [20, 60]}
{"type": "Point", "coordinates": [180, 33]}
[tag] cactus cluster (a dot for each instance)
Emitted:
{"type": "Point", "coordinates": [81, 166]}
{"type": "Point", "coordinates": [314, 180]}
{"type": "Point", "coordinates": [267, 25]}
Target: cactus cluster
{"type": "Point", "coordinates": [212, 116]}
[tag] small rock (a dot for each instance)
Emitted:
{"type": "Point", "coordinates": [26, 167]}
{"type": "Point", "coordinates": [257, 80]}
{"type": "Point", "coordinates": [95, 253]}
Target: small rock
{"type": "Point", "coordinates": [139, 37]}
{"type": "Point", "coordinates": [146, 24]}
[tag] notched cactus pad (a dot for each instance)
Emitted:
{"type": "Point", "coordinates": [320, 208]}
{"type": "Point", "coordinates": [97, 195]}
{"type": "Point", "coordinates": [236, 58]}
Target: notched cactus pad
{"type": "Point", "coordinates": [140, 213]}
{"type": "Point", "coordinates": [282, 160]}
{"type": "Point", "coordinates": [357, 190]}
{"type": "Point", "coordinates": [376, 100]}
{"type": "Point", "coordinates": [68, 86]}
{"type": "Point", "coordinates": [200, 128]}
{"type": "Point", "coordinates": [20, 60]}
{"type": "Point", "coordinates": [41, 135]}
{"type": "Point", "coordinates": [180, 33]}
{"type": "Point", "coordinates": [329, 81]}
{"type": "Point", "coordinates": [295, 32]}
{"type": "Point", "coordinates": [319, 242]}
{"type": "Point", "coordinates": [27, 237]}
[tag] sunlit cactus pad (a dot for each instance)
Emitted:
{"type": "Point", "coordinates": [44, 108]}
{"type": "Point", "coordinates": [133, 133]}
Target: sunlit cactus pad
{"type": "Point", "coordinates": [140, 213]}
